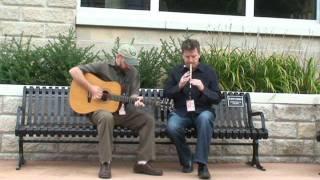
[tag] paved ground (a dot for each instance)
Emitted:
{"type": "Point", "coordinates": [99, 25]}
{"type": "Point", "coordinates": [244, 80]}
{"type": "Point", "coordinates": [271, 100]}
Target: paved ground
{"type": "Point", "coordinates": [78, 170]}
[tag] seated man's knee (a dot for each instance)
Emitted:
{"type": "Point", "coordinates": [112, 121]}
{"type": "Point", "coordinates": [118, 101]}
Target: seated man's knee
{"type": "Point", "coordinates": [149, 120]}
{"type": "Point", "coordinates": [172, 127]}
{"type": "Point", "coordinates": [206, 117]}
{"type": "Point", "coordinates": [104, 117]}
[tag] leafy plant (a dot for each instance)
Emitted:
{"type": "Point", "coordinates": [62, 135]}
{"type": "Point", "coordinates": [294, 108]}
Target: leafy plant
{"type": "Point", "coordinates": [239, 70]}
{"type": "Point", "coordinates": [150, 67]}
{"type": "Point", "coordinates": [23, 63]}
{"type": "Point", "coordinates": [19, 61]}
{"type": "Point", "coordinates": [59, 56]}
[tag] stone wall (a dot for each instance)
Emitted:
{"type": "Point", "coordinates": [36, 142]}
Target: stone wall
{"type": "Point", "coordinates": [104, 37]}
{"type": "Point", "coordinates": [41, 19]}
{"type": "Point", "coordinates": [292, 129]}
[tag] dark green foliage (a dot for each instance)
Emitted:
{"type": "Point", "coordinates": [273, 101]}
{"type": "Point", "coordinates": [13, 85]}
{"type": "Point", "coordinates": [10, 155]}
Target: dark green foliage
{"type": "Point", "coordinates": [247, 71]}
{"type": "Point", "coordinates": [19, 61]}
{"type": "Point", "coordinates": [170, 54]}
{"type": "Point", "coordinates": [150, 67]}
{"type": "Point", "coordinates": [22, 63]}
{"type": "Point", "coordinates": [238, 70]}
{"type": "Point", "coordinates": [61, 55]}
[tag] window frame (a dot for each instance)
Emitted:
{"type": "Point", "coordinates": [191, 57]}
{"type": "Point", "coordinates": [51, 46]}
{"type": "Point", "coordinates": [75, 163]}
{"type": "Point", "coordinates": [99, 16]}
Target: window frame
{"type": "Point", "coordinates": [156, 19]}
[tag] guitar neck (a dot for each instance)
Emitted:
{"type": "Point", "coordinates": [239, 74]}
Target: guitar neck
{"type": "Point", "coordinates": [126, 99]}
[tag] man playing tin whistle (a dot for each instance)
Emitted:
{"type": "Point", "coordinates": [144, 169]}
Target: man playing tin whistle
{"type": "Point", "coordinates": [193, 86]}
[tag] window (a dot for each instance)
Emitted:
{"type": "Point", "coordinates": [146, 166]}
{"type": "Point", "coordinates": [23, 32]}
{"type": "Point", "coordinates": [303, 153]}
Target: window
{"type": "Point", "coordinates": [294, 9]}
{"type": "Point", "coordinates": [225, 7]}
{"type": "Point", "coordinates": [117, 4]}
{"type": "Point", "coordinates": [290, 17]}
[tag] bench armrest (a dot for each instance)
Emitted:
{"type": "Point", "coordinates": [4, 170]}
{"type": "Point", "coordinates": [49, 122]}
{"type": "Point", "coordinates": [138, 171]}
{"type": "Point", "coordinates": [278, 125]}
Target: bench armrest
{"type": "Point", "coordinates": [258, 113]}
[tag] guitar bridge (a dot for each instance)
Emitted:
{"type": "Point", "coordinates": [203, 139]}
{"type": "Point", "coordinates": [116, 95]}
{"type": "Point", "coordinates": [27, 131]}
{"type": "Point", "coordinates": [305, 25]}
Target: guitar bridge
{"type": "Point", "coordinates": [89, 97]}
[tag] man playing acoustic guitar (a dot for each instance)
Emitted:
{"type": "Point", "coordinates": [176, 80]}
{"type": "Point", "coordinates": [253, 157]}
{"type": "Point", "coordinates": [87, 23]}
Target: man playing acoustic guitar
{"type": "Point", "coordinates": [123, 72]}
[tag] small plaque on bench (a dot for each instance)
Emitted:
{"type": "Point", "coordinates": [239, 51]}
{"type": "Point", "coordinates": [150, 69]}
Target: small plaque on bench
{"type": "Point", "coordinates": [235, 101]}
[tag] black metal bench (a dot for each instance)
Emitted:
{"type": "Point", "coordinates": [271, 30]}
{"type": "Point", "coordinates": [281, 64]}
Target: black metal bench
{"type": "Point", "coordinates": [45, 113]}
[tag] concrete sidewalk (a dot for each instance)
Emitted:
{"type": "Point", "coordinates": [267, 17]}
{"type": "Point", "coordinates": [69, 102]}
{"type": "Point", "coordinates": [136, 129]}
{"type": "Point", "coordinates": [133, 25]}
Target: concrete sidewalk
{"type": "Point", "coordinates": [78, 170]}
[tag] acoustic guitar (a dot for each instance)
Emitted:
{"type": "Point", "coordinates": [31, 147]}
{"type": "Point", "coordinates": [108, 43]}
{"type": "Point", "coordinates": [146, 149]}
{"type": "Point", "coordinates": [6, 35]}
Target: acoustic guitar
{"type": "Point", "coordinates": [82, 102]}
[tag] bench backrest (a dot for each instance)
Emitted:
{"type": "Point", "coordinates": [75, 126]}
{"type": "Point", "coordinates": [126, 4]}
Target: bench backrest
{"type": "Point", "coordinates": [49, 106]}
{"type": "Point", "coordinates": [232, 111]}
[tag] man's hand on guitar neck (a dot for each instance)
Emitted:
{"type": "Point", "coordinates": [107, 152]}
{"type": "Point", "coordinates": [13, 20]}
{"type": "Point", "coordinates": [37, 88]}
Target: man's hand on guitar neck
{"type": "Point", "coordinates": [139, 101]}
{"type": "Point", "coordinates": [96, 92]}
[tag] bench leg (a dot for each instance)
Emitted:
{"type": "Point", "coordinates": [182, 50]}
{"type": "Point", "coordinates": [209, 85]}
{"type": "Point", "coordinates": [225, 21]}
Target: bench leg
{"type": "Point", "coordinates": [255, 156]}
{"type": "Point", "coordinates": [21, 160]}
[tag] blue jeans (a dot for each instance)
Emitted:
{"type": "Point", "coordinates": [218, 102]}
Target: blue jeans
{"type": "Point", "coordinates": [203, 123]}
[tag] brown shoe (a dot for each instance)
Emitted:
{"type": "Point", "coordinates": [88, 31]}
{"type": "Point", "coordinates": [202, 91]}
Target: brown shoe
{"type": "Point", "coordinates": [147, 169]}
{"type": "Point", "coordinates": [105, 171]}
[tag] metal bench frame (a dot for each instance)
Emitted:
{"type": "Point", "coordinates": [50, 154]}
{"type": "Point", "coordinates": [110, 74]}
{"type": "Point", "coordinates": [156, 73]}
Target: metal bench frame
{"type": "Point", "coordinates": [45, 112]}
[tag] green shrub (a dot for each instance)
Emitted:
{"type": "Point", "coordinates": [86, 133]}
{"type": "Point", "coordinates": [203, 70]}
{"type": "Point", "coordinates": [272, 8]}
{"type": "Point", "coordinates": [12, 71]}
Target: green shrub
{"type": "Point", "coordinates": [22, 63]}
{"type": "Point", "coordinates": [59, 56]}
{"type": "Point", "coordinates": [238, 70]}
{"type": "Point", "coordinates": [150, 67]}
{"type": "Point", "coordinates": [19, 61]}
{"type": "Point", "coordinates": [246, 71]}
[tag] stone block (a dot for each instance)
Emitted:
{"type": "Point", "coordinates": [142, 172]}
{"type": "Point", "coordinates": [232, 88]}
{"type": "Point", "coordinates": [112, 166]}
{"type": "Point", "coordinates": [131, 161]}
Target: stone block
{"type": "Point", "coordinates": [78, 148]}
{"type": "Point", "coordinates": [306, 130]}
{"type": "Point", "coordinates": [295, 112]}
{"type": "Point", "coordinates": [230, 150]}
{"type": "Point", "coordinates": [41, 147]}
{"type": "Point", "coordinates": [53, 30]}
{"type": "Point", "coordinates": [9, 143]}
{"type": "Point", "coordinates": [93, 157]}
{"type": "Point", "coordinates": [317, 149]}
{"type": "Point", "coordinates": [265, 147]}
{"type": "Point", "coordinates": [282, 129]}
{"type": "Point", "coordinates": [0, 143]}
{"type": "Point", "coordinates": [164, 149]}
{"type": "Point", "coordinates": [9, 13]}
{"type": "Point", "coordinates": [216, 150]}
{"type": "Point", "coordinates": [237, 150]}
{"type": "Point", "coordinates": [27, 29]}
{"type": "Point", "coordinates": [49, 15]}
{"type": "Point", "coordinates": [9, 156]}
{"type": "Point", "coordinates": [1, 97]}
{"type": "Point", "coordinates": [305, 159]}
{"type": "Point", "coordinates": [62, 3]}
{"type": "Point", "coordinates": [24, 2]}
{"type": "Point", "coordinates": [7, 123]}
{"type": "Point", "coordinates": [228, 159]}
{"type": "Point", "coordinates": [10, 104]}
{"type": "Point", "coordinates": [267, 110]}
{"type": "Point", "coordinates": [125, 148]}
{"type": "Point", "coordinates": [285, 147]}
{"type": "Point", "coordinates": [56, 156]}
{"type": "Point", "coordinates": [278, 159]}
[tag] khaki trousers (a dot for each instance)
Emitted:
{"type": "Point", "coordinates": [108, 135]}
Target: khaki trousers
{"type": "Point", "coordinates": [136, 120]}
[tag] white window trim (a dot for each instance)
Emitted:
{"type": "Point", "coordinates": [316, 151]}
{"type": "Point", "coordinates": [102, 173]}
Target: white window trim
{"type": "Point", "coordinates": [156, 19]}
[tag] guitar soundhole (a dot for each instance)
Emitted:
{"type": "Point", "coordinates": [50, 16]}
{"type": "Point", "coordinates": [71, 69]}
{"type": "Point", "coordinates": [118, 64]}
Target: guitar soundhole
{"type": "Point", "coordinates": [105, 96]}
